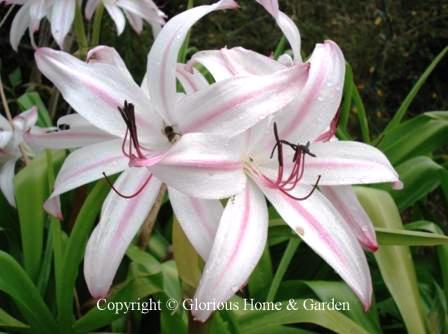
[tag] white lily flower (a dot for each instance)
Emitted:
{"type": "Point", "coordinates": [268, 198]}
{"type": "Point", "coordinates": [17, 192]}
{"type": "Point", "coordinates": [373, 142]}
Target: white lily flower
{"type": "Point", "coordinates": [11, 137]}
{"type": "Point", "coordinates": [181, 140]}
{"type": "Point", "coordinates": [60, 13]}
{"type": "Point", "coordinates": [136, 11]}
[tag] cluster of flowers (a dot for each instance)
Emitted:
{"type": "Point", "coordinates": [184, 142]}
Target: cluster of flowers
{"type": "Point", "coordinates": [264, 128]}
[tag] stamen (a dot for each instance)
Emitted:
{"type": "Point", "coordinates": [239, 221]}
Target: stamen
{"type": "Point", "coordinates": [127, 196]}
{"type": "Point", "coordinates": [128, 115]}
{"type": "Point", "coordinates": [298, 167]}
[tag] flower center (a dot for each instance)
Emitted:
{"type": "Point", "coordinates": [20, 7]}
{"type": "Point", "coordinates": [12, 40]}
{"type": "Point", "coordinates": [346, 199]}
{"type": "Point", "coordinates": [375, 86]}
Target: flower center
{"type": "Point", "coordinates": [284, 182]}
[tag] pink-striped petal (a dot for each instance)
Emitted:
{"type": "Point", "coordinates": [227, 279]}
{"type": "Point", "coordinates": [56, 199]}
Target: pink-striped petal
{"type": "Point", "coordinates": [62, 16]}
{"type": "Point", "coordinates": [96, 90]}
{"type": "Point", "coordinates": [79, 133]}
{"type": "Point", "coordinates": [347, 162]}
{"type": "Point", "coordinates": [85, 165]}
{"type": "Point", "coordinates": [107, 55]}
{"type": "Point", "coordinates": [316, 106]}
{"type": "Point", "coordinates": [287, 26]}
{"type": "Point", "coordinates": [199, 219]}
{"type": "Point", "coordinates": [234, 105]}
{"type": "Point", "coordinates": [191, 81]}
{"type": "Point", "coordinates": [162, 58]}
{"type": "Point", "coordinates": [226, 63]}
{"type": "Point", "coordinates": [120, 221]}
{"type": "Point", "coordinates": [318, 223]}
{"type": "Point", "coordinates": [204, 166]}
{"type": "Point", "coordinates": [344, 200]}
{"type": "Point", "coordinates": [7, 181]}
{"type": "Point", "coordinates": [238, 246]}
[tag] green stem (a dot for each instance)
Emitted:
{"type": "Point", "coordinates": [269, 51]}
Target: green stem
{"type": "Point", "coordinates": [80, 31]}
{"type": "Point", "coordinates": [362, 116]}
{"type": "Point", "coordinates": [280, 48]}
{"type": "Point", "coordinates": [293, 244]}
{"type": "Point", "coordinates": [183, 51]}
{"type": "Point", "coordinates": [97, 25]}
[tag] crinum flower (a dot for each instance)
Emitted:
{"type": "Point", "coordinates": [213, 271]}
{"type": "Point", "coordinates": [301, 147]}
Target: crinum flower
{"type": "Point", "coordinates": [309, 183]}
{"type": "Point", "coordinates": [226, 63]}
{"type": "Point", "coordinates": [60, 13]}
{"type": "Point", "coordinates": [136, 11]}
{"type": "Point", "coordinates": [11, 137]}
{"type": "Point", "coordinates": [158, 135]}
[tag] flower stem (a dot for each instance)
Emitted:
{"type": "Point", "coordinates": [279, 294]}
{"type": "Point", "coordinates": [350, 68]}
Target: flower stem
{"type": "Point", "coordinates": [80, 31]}
{"type": "Point", "coordinates": [148, 225]}
{"type": "Point", "coordinates": [97, 25]}
{"type": "Point", "coordinates": [293, 244]}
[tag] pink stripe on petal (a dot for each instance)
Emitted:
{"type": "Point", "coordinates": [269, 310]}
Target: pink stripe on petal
{"type": "Point", "coordinates": [78, 172]}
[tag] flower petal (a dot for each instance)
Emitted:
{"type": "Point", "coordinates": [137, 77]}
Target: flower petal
{"type": "Point", "coordinates": [96, 90]}
{"type": "Point", "coordinates": [199, 219]}
{"type": "Point", "coordinates": [87, 164]}
{"type": "Point", "coordinates": [90, 8]}
{"type": "Point", "coordinates": [135, 21]}
{"type": "Point", "coordinates": [120, 221]}
{"type": "Point", "coordinates": [321, 227]}
{"type": "Point", "coordinates": [226, 63]}
{"type": "Point", "coordinates": [347, 162]}
{"type": "Point", "coordinates": [162, 58]}
{"type": "Point", "coordinates": [26, 119]}
{"type": "Point", "coordinates": [117, 16]}
{"type": "Point", "coordinates": [7, 181]}
{"type": "Point", "coordinates": [239, 244]}
{"type": "Point", "coordinates": [312, 112]}
{"type": "Point", "coordinates": [37, 11]}
{"type": "Point", "coordinates": [204, 166]}
{"type": "Point", "coordinates": [107, 55]}
{"type": "Point", "coordinates": [190, 81]}
{"type": "Point", "coordinates": [234, 105]}
{"type": "Point", "coordinates": [344, 200]}
{"type": "Point", "coordinates": [79, 133]}
{"type": "Point", "coordinates": [62, 16]}
{"type": "Point", "coordinates": [19, 25]}
{"type": "Point", "coordinates": [147, 10]}
{"type": "Point", "coordinates": [287, 26]}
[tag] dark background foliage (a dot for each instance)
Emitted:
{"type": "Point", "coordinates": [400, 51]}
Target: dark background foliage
{"type": "Point", "coordinates": [388, 43]}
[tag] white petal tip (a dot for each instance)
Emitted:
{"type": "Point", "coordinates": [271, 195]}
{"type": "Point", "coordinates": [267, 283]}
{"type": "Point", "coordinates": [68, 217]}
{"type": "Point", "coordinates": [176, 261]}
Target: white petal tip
{"type": "Point", "coordinates": [397, 185]}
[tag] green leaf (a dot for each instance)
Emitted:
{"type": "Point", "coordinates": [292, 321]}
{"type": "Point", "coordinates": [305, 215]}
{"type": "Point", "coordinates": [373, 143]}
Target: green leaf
{"type": "Point", "coordinates": [15, 78]}
{"type": "Point", "coordinates": [420, 176]}
{"type": "Point", "coordinates": [252, 322]}
{"type": "Point", "coordinates": [347, 98]}
{"type": "Point", "coordinates": [187, 260]}
{"type": "Point", "coordinates": [17, 284]}
{"type": "Point", "coordinates": [291, 249]}
{"type": "Point", "coordinates": [9, 322]}
{"type": "Point", "coordinates": [136, 287]}
{"type": "Point", "coordinates": [74, 252]}
{"type": "Point", "coordinates": [415, 89]}
{"type": "Point", "coordinates": [339, 291]}
{"type": "Point", "coordinates": [32, 190]}
{"type": "Point", "coordinates": [387, 236]}
{"type": "Point", "coordinates": [442, 250]}
{"type": "Point", "coordinates": [362, 116]}
{"type": "Point", "coordinates": [395, 262]}
{"type": "Point", "coordinates": [30, 99]}
{"type": "Point", "coordinates": [261, 277]}
{"type": "Point", "coordinates": [418, 136]}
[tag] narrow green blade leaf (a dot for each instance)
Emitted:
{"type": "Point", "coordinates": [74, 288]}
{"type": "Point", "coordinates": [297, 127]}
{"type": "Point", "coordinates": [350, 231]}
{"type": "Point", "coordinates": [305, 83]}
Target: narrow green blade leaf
{"type": "Point", "coordinates": [395, 262]}
{"type": "Point", "coordinates": [258, 321]}
{"type": "Point", "coordinates": [9, 322]}
{"type": "Point", "coordinates": [387, 236]}
{"type": "Point", "coordinates": [17, 284]}
{"type": "Point", "coordinates": [410, 97]}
